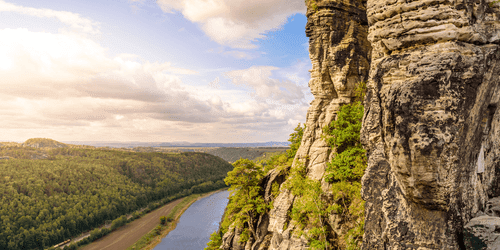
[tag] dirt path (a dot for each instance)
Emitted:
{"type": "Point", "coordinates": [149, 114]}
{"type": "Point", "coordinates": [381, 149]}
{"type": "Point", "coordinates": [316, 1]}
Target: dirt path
{"type": "Point", "coordinates": [127, 235]}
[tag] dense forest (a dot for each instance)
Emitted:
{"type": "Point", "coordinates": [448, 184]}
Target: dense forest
{"type": "Point", "coordinates": [48, 195]}
{"type": "Point", "coordinates": [228, 154]}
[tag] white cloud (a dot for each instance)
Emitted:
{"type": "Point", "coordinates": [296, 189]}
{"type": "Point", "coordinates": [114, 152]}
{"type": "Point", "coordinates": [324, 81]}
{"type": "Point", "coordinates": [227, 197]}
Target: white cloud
{"type": "Point", "coordinates": [236, 23]}
{"type": "Point", "coordinates": [75, 21]}
{"type": "Point", "coordinates": [57, 82]}
{"type": "Point", "coordinates": [259, 79]}
{"type": "Point", "coordinates": [66, 86]}
{"type": "Point", "coordinates": [238, 54]}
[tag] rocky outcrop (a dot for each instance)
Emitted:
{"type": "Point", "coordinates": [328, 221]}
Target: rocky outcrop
{"type": "Point", "coordinates": [431, 126]}
{"type": "Point", "coordinates": [340, 56]}
{"type": "Point", "coordinates": [431, 122]}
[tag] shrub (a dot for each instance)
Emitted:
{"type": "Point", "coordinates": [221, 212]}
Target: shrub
{"type": "Point", "coordinates": [163, 220]}
{"type": "Point", "coordinates": [170, 218]}
{"type": "Point", "coordinates": [118, 222]}
{"type": "Point", "coordinates": [215, 241]}
{"type": "Point", "coordinates": [158, 230]}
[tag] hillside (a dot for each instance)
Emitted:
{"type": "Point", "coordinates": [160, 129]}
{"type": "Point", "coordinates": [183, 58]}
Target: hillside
{"type": "Point", "coordinates": [43, 143]}
{"type": "Point", "coordinates": [50, 194]}
{"type": "Point", "coordinates": [229, 154]}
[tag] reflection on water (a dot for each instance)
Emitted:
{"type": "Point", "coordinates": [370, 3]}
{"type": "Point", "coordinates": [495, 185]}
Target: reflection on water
{"type": "Point", "coordinates": [196, 224]}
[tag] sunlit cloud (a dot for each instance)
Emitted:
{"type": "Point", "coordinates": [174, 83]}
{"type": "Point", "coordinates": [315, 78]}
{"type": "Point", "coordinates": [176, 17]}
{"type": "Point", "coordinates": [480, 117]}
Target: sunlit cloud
{"type": "Point", "coordinates": [236, 23]}
{"type": "Point", "coordinates": [73, 20]}
{"type": "Point", "coordinates": [66, 85]}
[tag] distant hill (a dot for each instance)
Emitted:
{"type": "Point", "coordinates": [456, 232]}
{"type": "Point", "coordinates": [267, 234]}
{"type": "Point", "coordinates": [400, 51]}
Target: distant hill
{"type": "Point", "coordinates": [177, 144]}
{"type": "Point", "coordinates": [43, 143]}
{"type": "Point", "coordinates": [230, 154]}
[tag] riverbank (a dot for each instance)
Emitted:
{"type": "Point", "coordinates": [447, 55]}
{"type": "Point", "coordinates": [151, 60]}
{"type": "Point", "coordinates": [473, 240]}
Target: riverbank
{"type": "Point", "coordinates": [130, 233]}
{"type": "Point", "coordinates": [155, 236]}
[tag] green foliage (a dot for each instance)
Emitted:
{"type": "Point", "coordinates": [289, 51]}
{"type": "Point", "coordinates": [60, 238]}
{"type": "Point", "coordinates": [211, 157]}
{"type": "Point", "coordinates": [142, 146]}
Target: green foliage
{"type": "Point", "coordinates": [494, 2]}
{"type": "Point", "coordinates": [118, 222]}
{"type": "Point", "coordinates": [234, 154]}
{"type": "Point", "coordinates": [46, 201]}
{"type": "Point", "coordinates": [246, 202]}
{"type": "Point", "coordinates": [163, 220]}
{"type": "Point", "coordinates": [314, 5]}
{"type": "Point", "coordinates": [347, 167]}
{"type": "Point", "coordinates": [295, 139]}
{"type": "Point", "coordinates": [309, 208]}
{"type": "Point", "coordinates": [245, 175]}
{"type": "Point", "coordinates": [215, 241]}
{"type": "Point", "coordinates": [158, 229]}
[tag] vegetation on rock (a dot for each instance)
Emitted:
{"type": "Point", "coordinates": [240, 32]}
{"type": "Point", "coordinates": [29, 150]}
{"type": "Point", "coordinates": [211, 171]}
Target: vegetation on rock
{"type": "Point", "coordinates": [347, 167]}
{"type": "Point", "coordinates": [311, 208]}
{"type": "Point", "coordinates": [247, 205]}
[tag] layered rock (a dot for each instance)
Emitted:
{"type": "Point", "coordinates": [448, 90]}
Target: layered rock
{"type": "Point", "coordinates": [431, 122]}
{"type": "Point", "coordinates": [340, 56]}
{"type": "Point", "coordinates": [431, 126]}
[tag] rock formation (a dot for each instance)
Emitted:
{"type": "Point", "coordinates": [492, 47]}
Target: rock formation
{"type": "Point", "coordinates": [431, 125]}
{"type": "Point", "coordinates": [340, 56]}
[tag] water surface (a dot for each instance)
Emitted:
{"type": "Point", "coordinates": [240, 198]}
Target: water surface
{"type": "Point", "coordinates": [196, 224]}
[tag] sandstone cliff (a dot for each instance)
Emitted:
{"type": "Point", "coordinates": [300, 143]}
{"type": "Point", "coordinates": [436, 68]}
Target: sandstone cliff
{"type": "Point", "coordinates": [340, 55]}
{"type": "Point", "coordinates": [431, 126]}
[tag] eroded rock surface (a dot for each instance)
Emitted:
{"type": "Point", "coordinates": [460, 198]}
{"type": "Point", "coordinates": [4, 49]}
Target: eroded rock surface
{"type": "Point", "coordinates": [430, 124]}
{"type": "Point", "coordinates": [340, 56]}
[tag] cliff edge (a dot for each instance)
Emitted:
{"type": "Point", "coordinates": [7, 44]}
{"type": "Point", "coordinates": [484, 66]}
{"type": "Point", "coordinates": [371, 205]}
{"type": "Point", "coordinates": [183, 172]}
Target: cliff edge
{"type": "Point", "coordinates": [431, 131]}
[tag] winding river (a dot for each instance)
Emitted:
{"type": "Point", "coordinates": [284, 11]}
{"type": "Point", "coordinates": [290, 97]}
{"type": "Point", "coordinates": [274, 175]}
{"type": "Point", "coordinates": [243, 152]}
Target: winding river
{"type": "Point", "coordinates": [196, 224]}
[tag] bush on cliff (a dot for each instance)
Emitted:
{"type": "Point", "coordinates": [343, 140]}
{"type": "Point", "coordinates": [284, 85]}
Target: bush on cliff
{"type": "Point", "coordinates": [246, 202]}
{"type": "Point", "coordinates": [347, 167]}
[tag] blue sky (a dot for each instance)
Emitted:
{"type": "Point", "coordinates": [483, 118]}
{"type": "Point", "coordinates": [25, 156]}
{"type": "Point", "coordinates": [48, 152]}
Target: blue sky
{"type": "Point", "coordinates": [153, 71]}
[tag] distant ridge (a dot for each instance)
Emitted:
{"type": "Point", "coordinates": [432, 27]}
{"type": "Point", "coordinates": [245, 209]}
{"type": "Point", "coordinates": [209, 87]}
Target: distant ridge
{"type": "Point", "coordinates": [43, 143]}
{"type": "Point", "coordinates": [178, 144]}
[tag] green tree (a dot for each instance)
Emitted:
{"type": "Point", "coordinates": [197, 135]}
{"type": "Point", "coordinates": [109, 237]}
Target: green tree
{"type": "Point", "coordinates": [246, 201]}
{"type": "Point", "coordinates": [295, 139]}
{"type": "Point", "coordinates": [215, 241]}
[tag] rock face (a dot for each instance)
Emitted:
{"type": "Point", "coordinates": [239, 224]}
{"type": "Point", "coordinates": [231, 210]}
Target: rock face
{"type": "Point", "coordinates": [431, 125]}
{"type": "Point", "coordinates": [340, 56]}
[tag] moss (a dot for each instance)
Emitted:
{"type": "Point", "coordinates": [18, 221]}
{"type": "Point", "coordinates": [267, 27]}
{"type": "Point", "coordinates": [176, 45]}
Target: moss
{"type": "Point", "coordinates": [314, 4]}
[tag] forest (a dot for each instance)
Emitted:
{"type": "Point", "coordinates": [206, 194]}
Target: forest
{"type": "Point", "coordinates": [49, 194]}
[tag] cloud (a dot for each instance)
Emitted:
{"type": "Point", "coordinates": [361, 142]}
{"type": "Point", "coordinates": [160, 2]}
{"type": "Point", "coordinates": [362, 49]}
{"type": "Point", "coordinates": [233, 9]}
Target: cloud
{"type": "Point", "coordinates": [236, 23]}
{"type": "Point", "coordinates": [66, 80]}
{"type": "Point", "coordinates": [67, 86]}
{"type": "Point", "coordinates": [259, 79]}
{"type": "Point", "coordinates": [75, 21]}
{"type": "Point", "coordinates": [238, 54]}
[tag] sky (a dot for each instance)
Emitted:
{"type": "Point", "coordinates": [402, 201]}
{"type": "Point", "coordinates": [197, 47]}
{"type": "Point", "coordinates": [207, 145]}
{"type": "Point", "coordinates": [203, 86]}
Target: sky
{"type": "Point", "coordinates": [153, 71]}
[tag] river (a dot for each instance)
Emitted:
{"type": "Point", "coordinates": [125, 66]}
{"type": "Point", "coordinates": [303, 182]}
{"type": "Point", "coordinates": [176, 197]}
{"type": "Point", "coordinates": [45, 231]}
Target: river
{"type": "Point", "coordinates": [196, 224]}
